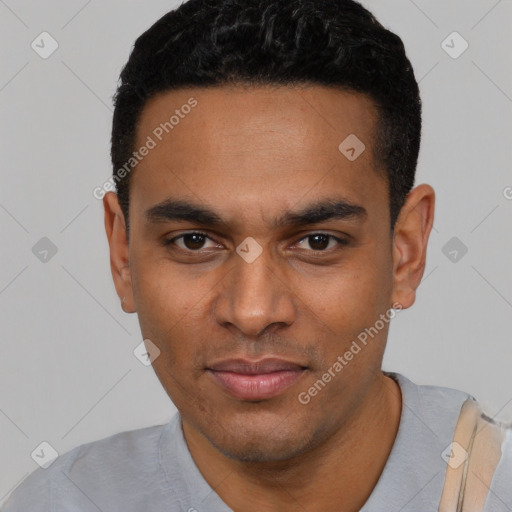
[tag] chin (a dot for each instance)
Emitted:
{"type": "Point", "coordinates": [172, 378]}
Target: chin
{"type": "Point", "coordinates": [264, 451]}
{"type": "Point", "coordinates": [248, 443]}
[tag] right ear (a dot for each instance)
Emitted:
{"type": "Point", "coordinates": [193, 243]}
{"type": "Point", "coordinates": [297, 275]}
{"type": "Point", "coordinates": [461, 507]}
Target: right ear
{"type": "Point", "coordinates": [115, 227]}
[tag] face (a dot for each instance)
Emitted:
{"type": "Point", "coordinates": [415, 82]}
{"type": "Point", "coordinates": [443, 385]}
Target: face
{"type": "Point", "coordinates": [253, 237]}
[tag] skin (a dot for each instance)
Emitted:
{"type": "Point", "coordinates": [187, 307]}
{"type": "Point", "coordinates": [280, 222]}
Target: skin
{"type": "Point", "coordinates": [252, 154]}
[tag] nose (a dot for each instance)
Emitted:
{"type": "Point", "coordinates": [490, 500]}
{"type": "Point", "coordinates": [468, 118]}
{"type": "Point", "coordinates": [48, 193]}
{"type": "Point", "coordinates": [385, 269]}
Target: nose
{"type": "Point", "coordinates": [254, 296]}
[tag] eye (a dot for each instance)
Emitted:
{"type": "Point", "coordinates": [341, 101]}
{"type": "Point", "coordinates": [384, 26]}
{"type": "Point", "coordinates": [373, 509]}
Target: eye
{"type": "Point", "coordinates": [321, 241]}
{"type": "Point", "coordinates": [192, 241]}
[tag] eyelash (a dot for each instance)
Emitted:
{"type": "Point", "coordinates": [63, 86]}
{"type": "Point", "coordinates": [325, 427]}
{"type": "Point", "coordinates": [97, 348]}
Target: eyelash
{"type": "Point", "coordinates": [341, 241]}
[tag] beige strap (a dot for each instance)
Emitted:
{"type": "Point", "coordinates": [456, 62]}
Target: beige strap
{"type": "Point", "coordinates": [475, 453]}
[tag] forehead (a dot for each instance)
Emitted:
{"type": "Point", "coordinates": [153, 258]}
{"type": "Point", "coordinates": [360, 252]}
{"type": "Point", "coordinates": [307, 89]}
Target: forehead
{"type": "Point", "coordinates": [298, 117]}
{"type": "Point", "coordinates": [264, 146]}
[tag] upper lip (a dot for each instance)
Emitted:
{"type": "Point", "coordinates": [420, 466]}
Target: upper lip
{"type": "Point", "coordinates": [261, 366]}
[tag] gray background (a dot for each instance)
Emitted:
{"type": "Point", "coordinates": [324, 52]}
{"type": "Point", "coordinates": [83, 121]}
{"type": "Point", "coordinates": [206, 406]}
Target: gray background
{"type": "Point", "coordinates": [67, 372]}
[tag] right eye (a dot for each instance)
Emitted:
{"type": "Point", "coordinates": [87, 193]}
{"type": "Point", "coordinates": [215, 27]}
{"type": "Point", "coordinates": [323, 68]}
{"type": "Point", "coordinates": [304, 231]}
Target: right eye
{"type": "Point", "coordinates": [192, 241]}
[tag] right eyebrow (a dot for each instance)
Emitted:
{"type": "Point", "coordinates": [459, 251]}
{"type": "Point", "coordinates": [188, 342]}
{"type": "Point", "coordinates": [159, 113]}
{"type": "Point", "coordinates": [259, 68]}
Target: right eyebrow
{"type": "Point", "coordinates": [170, 210]}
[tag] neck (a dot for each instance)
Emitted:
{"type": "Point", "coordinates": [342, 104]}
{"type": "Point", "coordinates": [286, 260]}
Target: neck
{"type": "Point", "coordinates": [315, 480]}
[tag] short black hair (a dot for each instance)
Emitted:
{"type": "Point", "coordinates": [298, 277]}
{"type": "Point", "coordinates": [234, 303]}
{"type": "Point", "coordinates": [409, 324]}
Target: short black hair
{"type": "Point", "coordinates": [334, 43]}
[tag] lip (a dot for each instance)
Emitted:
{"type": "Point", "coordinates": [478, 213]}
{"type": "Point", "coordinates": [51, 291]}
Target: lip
{"type": "Point", "coordinates": [255, 380]}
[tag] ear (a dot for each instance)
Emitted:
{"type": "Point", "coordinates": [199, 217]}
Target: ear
{"type": "Point", "coordinates": [410, 239]}
{"type": "Point", "coordinates": [115, 228]}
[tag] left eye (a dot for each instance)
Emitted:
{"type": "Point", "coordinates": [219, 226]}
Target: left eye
{"type": "Point", "coordinates": [321, 241]}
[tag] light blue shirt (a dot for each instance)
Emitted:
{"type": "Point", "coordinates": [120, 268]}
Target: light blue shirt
{"type": "Point", "coordinates": [151, 469]}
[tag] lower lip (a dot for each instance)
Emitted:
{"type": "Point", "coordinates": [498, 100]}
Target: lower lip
{"type": "Point", "coordinates": [256, 387]}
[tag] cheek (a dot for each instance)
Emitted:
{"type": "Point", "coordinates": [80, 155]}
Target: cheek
{"type": "Point", "coordinates": [353, 296]}
{"type": "Point", "coordinates": [162, 291]}
{"type": "Point", "coordinates": [167, 309]}
{"type": "Point", "coordinates": [173, 306]}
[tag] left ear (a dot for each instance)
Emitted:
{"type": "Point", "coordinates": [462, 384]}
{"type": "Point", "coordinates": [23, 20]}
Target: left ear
{"type": "Point", "coordinates": [410, 239]}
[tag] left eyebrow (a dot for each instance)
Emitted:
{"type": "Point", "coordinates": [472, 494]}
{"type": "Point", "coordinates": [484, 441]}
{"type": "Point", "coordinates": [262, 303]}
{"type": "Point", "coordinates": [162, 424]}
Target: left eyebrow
{"type": "Point", "coordinates": [322, 211]}
{"type": "Point", "coordinates": [313, 213]}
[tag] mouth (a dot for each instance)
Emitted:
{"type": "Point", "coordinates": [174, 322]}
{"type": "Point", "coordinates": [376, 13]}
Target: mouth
{"type": "Point", "coordinates": [255, 380]}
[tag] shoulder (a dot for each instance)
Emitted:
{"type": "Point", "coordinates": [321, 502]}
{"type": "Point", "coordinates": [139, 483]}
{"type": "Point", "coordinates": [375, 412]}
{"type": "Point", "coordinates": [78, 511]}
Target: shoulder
{"type": "Point", "coordinates": [112, 461]}
{"type": "Point", "coordinates": [500, 493]}
{"type": "Point", "coordinates": [32, 494]}
{"type": "Point", "coordinates": [436, 406]}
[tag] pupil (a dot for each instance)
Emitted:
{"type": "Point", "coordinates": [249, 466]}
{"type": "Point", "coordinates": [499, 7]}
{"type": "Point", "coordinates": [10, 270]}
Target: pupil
{"type": "Point", "coordinates": [193, 241]}
{"type": "Point", "coordinates": [324, 242]}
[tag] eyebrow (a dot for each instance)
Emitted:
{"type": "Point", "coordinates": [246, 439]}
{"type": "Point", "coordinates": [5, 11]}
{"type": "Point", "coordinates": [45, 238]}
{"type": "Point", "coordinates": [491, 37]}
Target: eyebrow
{"type": "Point", "coordinates": [320, 211]}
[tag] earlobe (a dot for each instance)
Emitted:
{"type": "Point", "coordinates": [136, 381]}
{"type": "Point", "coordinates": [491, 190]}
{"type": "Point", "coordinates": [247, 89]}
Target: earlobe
{"type": "Point", "coordinates": [410, 241]}
{"type": "Point", "coordinates": [115, 228]}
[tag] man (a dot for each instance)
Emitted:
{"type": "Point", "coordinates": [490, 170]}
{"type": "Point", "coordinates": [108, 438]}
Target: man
{"type": "Point", "coordinates": [266, 230]}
